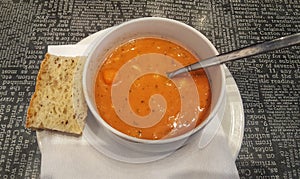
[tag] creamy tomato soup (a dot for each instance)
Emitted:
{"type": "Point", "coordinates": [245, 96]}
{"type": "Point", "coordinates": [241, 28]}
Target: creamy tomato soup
{"type": "Point", "coordinates": [138, 95]}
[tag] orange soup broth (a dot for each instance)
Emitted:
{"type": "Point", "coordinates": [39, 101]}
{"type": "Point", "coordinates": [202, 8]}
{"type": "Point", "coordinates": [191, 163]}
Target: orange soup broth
{"type": "Point", "coordinates": [147, 86]}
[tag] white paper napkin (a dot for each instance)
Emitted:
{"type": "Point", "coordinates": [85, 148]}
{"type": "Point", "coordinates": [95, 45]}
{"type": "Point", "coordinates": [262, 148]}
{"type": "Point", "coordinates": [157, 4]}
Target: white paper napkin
{"type": "Point", "coordinates": [65, 156]}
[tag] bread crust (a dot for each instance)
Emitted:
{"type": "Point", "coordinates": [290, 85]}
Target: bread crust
{"type": "Point", "coordinates": [58, 102]}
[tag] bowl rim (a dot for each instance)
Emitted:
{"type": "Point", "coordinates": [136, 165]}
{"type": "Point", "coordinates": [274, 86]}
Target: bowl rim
{"type": "Point", "coordinates": [97, 116]}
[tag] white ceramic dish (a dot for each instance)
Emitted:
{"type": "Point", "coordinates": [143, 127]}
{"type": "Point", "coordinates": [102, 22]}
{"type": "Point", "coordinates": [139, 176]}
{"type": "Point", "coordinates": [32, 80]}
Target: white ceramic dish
{"type": "Point", "coordinates": [175, 31]}
{"type": "Point", "coordinates": [232, 123]}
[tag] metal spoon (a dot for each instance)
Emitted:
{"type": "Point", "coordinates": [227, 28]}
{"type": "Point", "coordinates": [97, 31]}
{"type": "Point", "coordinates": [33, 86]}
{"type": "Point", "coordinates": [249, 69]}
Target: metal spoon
{"type": "Point", "coordinates": [240, 53]}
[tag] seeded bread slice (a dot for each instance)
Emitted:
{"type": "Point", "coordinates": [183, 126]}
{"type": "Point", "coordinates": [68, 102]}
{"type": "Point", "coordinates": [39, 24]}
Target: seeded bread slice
{"type": "Point", "coordinates": [58, 102]}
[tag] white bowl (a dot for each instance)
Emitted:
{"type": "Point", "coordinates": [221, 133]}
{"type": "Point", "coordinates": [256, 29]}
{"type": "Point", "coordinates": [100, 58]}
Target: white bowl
{"type": "Point", "coordinates": [173, 30]}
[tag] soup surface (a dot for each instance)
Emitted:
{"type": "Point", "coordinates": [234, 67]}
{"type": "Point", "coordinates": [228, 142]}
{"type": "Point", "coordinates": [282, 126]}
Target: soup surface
{"type": "Point", "coordinates": [134, 96]}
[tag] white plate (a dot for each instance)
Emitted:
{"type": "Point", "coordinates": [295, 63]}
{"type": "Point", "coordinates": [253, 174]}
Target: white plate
{"type": "Point", "coordinates": [232, 123]}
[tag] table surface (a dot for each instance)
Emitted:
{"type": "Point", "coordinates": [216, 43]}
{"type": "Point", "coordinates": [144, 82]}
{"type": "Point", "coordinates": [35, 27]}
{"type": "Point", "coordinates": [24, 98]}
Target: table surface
{"type": "Point", "coordinates": [268, 83]}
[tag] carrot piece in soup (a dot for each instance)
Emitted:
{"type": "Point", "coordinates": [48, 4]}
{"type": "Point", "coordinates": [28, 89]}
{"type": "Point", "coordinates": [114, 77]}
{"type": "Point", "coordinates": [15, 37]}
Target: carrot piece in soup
{"type": "Point", "coordinates": [108, 75]}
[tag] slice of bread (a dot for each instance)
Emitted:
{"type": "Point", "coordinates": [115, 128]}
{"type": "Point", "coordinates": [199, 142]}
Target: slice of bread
{"type": "Point", "coordinates": [58, 102]}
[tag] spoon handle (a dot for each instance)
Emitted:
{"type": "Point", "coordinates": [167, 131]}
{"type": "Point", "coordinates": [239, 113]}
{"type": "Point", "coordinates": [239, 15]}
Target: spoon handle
{"type": "Point", "coordinates": [241, 53]}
